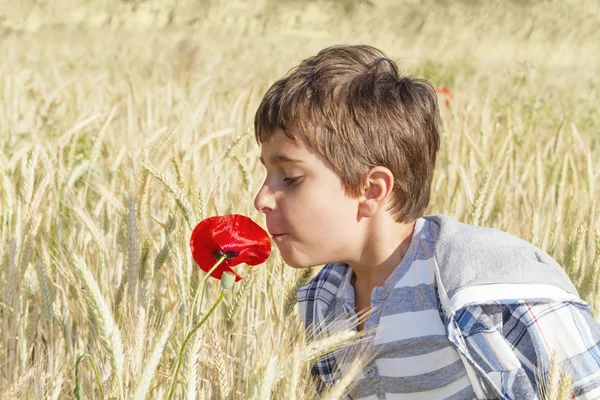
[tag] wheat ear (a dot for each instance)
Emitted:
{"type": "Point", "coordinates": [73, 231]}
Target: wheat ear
{"type": "Point", "coordinates": [176, 192]}
{"type": "Point", "coordinates": [219, 363]}
{"type": "Point", "coordinates": [109, 333]}
{"type": "Point", "coordinates": [152, 362]}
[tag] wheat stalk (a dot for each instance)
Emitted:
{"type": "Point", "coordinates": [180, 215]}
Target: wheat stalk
{"type": "Point", "coordinates": [89, 223]}
{"type": "Point", "coordinates": [341, 386]}
{"type": "Point", "coordinates": [480, 199]}
{"type": "Point", "coordinates": [233, 309]}
{"type": "Point", "coordinates": [11, 284]}
{"type": "Point", "coordinates": [18, 386]}
{"type": "Point", "coordinates": [219, 364]}
{"type": "Point", "coordinates": [138, 324]}
{"type": "Point", "coordinates": [175, 191]}
{"type": "Point", "coordinates": [268, 378]}
{"type": "Point", "coordinates": [178, 174]}
{"type": "Point", "coordinates": [553, 383]}
{"type": "Point", "coordinates": [144, 257]}
{"type": "Point", "coordinates": [323, 346]}
{"type": "Point", "coordinates": [561, 190]}
{"type": "Point", "coordinates": [232, 151]}
{"type": "Point", "coordinates": [247, 178]}
{"type": "Point", "coordinates": [8, 194]}
{"type": "Point", "coordinates": [576, 245]}
{"type": "Point", "coordinates": [291, 299]}
{"type": "Point", "coordinates": [109, 333]}
{"type": "Point", "coordinates": [164, 251]}
{"type": "Point", "coordinates": [133, 265]}
{"type": "Point", "coordinates": [45, 290]}
{"type": "Point", "coordinates": [591, 288]}
{"type": "Point", "coordinates": [28, 176]}
{"type": "Point", "coordinates": [144, 197]}
{"type": "Point", "coordinates": [492, 194]}
{"type": "Point", "coordinates": [200, 204]}
{"type": "Point", "coordinates": [294, 381]}
{"type": "Point", "coordinates": [152, 362]}
{"type": "Point", "coordinates": [191, 367]}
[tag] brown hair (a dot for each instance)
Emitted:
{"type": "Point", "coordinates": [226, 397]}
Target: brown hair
{"type": "Point", "coordinates": [357, 112]}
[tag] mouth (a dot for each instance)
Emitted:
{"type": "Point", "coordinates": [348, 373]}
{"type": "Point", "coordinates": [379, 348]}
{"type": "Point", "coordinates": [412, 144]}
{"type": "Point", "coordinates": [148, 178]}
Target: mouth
{"type": "Point", "coordinates": [276, 236]}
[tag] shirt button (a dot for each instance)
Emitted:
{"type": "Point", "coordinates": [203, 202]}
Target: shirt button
{"type": "Point", "coordinates": [369, 371]}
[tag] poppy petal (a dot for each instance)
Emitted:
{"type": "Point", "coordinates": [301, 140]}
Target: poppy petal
{"type": "Point", "coordinates": [240, 234]}
{"type": "Point", "coordinates": [236, 236]}
{"type": "Point", "coordinates": [201, 244]}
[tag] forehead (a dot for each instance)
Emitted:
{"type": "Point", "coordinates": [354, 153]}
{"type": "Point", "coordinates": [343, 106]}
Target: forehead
{"type": "Point", "coordinates": [280, 148]}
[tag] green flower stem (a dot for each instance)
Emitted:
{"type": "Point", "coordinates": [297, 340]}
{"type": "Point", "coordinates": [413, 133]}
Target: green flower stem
{"type": "Point", "coordinates": [187, 338]}
{"type": "Point", "coordinates": [76, 392]}
{"type": "Point", "coordinates": [201, 285]}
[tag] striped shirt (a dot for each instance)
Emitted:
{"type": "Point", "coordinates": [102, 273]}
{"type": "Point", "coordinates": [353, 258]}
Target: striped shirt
{"type": "Point", "coordinates": [507, 308]}
{"type": "Point", "coordinates": [415, 360]}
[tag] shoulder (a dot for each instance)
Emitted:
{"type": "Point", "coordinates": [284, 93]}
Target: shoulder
{"type": "Point", "coordinates": [450, 231]}
{"type": "Point", "coordinates": [457, 242]}
{"type": "Point", "coordinates": [471, 255]}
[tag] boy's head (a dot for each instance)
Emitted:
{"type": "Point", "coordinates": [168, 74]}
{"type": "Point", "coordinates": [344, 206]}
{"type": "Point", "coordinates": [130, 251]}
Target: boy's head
{"type": "Point", "coordinates": [368, 139]}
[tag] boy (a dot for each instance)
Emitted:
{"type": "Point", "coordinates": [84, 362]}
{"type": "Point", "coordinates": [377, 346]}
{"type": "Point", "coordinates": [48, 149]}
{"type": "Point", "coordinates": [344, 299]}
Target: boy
{"type": "Point", "coordinates": [457, 311]}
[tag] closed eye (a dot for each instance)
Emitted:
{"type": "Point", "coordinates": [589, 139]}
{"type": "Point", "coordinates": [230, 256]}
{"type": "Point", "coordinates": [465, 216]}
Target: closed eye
{"type": "Point", "coordinates": [290, 181]}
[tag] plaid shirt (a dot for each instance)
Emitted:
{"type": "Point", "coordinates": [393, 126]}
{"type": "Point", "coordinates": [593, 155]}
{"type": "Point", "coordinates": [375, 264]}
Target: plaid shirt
{"type": "Point", "coordinates": [505, 341]}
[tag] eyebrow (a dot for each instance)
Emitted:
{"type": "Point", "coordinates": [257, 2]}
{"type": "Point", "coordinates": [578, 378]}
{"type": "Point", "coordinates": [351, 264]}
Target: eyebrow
{"type": "Point", "coordinates": [280, 159]}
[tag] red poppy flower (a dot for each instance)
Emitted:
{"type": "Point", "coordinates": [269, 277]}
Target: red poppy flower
{"type": "Point", "coordinates": [234, 235]}
{"type": "Point", "coordinates": [447, 93]}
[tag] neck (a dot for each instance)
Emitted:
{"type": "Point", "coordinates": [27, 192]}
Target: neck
{"type": "Point", "coordinates": [383, 252]}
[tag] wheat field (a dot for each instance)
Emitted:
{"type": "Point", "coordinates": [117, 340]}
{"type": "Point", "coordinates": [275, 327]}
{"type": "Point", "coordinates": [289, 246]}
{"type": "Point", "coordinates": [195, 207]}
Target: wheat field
{"type": "Point", "coordinates": [124, 123]}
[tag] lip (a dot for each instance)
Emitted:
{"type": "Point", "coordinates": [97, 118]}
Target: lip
{"type": "Point", "coordinates": [275, 236]}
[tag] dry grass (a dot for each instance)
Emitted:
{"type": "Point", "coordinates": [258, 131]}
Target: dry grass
{"type": "Point", "coordinates": [125, 123]}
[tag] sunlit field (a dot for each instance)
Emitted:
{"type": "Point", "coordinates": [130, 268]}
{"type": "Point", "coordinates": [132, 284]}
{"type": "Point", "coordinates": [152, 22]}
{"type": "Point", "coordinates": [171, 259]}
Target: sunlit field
{"type": "Point", "coordinates": [125, 123]}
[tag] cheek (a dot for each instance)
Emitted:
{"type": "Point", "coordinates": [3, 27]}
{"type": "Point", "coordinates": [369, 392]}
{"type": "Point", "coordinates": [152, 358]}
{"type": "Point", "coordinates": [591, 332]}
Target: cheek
{"type": "Point", "coordinates": [329, 217]}
{"type": "Point", "coordinates": [320, 208]}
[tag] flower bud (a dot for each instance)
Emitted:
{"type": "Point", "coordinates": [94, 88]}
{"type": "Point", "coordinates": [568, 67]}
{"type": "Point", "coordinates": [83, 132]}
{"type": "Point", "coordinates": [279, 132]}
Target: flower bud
{"type": "Point", "coordinates": [227, 280]}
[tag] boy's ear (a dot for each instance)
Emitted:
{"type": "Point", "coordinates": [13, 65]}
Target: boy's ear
{"type": "Point", "coordinates": [379, 183]}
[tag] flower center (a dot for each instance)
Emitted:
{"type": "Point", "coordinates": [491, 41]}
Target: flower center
{"type": "Point", "coordinates": [217, 254]}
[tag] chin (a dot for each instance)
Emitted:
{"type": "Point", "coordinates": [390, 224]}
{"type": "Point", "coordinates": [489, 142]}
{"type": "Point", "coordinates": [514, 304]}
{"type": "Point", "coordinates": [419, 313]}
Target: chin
{"type": "Point", "coordinates": [299, 259]}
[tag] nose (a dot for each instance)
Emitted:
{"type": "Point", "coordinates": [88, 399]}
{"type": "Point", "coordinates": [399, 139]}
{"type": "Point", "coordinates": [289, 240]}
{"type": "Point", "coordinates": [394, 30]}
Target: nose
{"type": "Point", "coordinates": [264, 200]}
